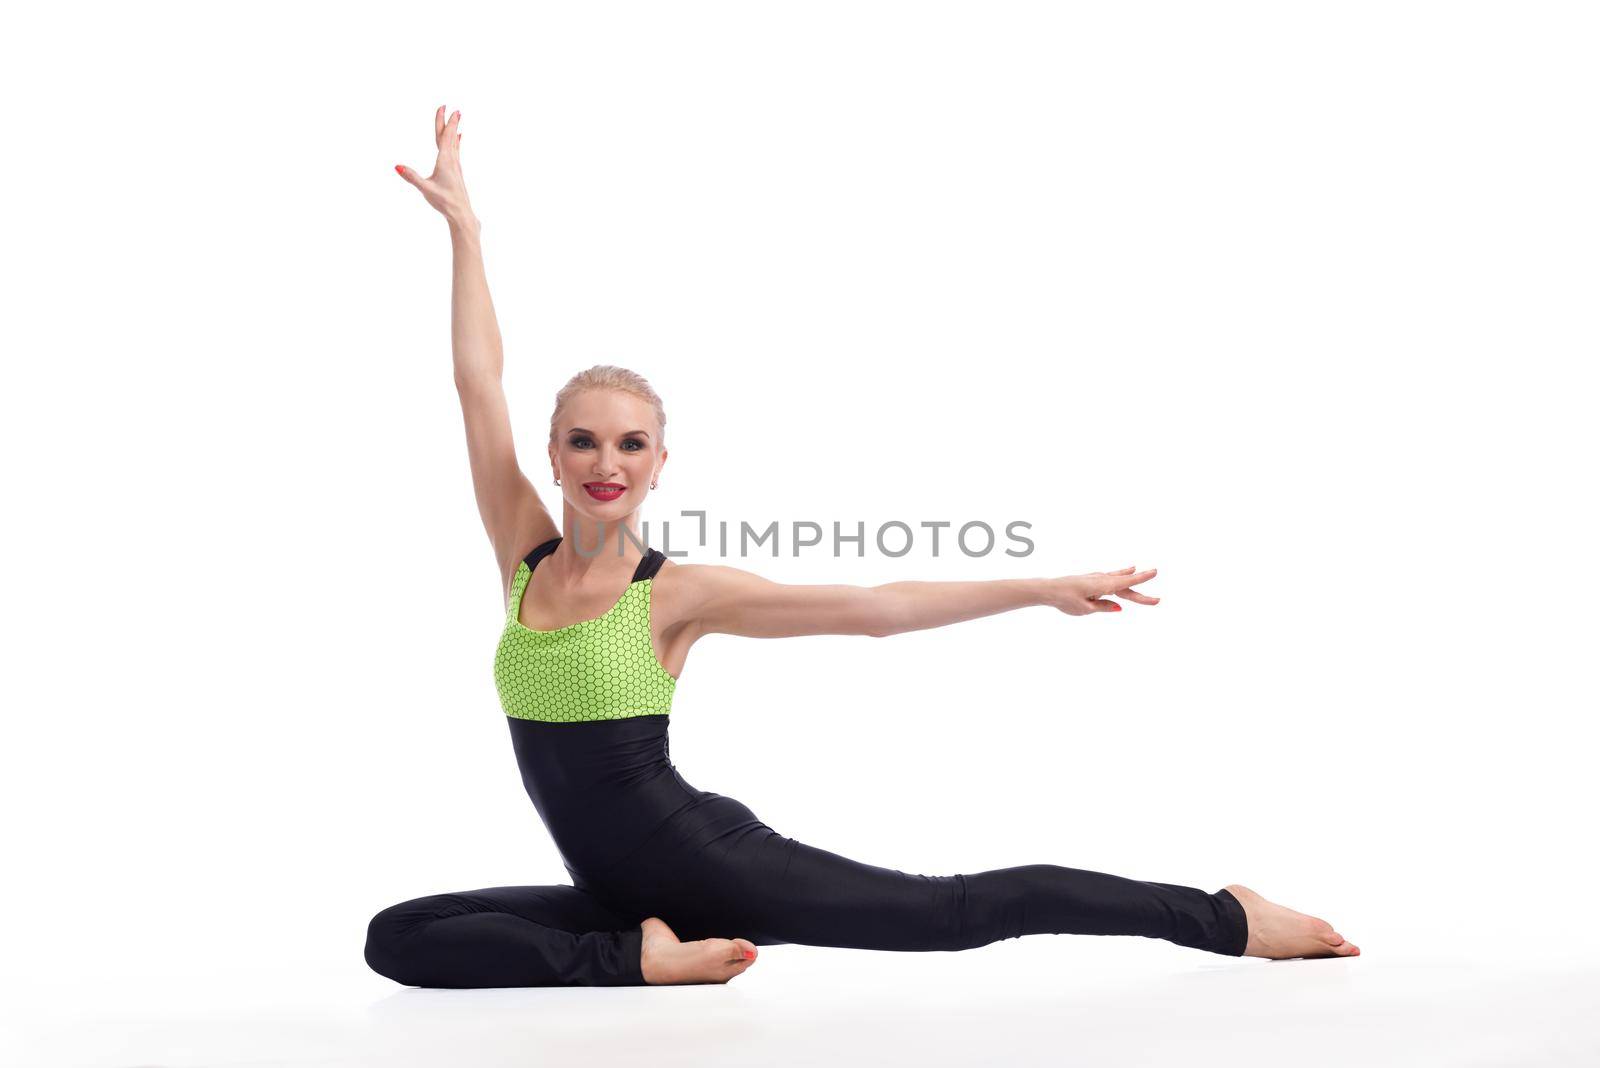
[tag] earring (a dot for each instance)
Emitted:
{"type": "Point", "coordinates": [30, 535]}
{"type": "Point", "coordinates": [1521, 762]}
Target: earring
{"type": "Point", "coordinates": [652, 485]}
{"type": "Point", "coordinates": [558, 482]}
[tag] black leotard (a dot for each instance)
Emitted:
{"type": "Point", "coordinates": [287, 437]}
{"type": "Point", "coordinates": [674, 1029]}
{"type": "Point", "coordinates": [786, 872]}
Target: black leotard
{"type": "Point", "coordinates": [588, 709]}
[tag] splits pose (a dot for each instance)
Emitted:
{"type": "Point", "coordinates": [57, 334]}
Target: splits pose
{"type": "Point", "coordinates": [671, 883]}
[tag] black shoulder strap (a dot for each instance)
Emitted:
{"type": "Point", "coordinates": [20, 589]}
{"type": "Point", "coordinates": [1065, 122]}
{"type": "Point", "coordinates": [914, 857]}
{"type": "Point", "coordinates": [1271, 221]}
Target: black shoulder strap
{"type": "Point", "coordinates": [649, 564]}
{"type": "Point", "coordinates": [540, 552]}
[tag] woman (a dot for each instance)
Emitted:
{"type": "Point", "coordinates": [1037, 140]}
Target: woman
{"type": "Point", "coordinates": [585, 675]}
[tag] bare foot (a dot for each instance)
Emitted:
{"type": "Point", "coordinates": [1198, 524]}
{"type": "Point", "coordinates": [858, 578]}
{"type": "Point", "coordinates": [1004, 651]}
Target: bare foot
{"type": "Point", "coordinates": [666, 960]}
{"type": "Point", "coordinates": [1279, 933]}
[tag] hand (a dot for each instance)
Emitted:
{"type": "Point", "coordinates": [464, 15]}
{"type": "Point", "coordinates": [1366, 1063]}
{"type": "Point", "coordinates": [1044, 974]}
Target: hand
{"type": "Point", "coordinates": [445, 189]}
{"type": "Point", "coordinates": [1078, 595]}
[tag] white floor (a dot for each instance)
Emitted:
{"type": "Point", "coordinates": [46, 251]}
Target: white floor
{"type": "Point", "coordinates": [1041, 1000]}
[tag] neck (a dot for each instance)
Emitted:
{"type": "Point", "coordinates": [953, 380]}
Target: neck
{"type": "Point", "coordinates": [593, 542]}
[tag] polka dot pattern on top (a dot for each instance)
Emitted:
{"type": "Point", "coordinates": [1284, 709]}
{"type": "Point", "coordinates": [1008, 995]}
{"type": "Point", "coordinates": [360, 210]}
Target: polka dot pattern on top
{"type": "Point", "coordinates": [602, 668]}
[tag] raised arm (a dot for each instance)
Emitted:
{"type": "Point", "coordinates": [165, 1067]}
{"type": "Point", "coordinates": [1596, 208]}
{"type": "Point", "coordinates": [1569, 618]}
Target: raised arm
{"type": "Point", "coordinates": [716, 599]}
{"type": "Point", "coordinates": [513, 515]}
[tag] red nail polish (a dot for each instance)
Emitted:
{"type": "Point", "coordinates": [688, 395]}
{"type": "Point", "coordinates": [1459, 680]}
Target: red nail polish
{"type": "Point", "coordinates": [1116, 608]}
{"type": "Point", "coordinates": [399, 168]}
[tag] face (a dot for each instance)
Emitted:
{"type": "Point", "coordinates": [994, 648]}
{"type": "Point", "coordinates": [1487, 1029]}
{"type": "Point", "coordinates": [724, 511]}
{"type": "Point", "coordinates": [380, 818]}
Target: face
{"type": "Point", "coordinates": [607, 452]}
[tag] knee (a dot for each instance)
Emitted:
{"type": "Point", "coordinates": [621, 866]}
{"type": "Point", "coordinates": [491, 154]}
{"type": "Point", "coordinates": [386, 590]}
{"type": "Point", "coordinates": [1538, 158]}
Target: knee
{"type": "Point", "coordinates": [385, 949]}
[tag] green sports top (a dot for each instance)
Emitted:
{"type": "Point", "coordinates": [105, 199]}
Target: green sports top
{"type": "Point", "coordinates": [603, 668]}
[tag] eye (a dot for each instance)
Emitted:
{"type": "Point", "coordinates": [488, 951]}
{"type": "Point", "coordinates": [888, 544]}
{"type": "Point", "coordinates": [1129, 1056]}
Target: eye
{"type": "Point", "coordinates": [634, 441]}
{"type": "Point", "coordinates": [580, 441]}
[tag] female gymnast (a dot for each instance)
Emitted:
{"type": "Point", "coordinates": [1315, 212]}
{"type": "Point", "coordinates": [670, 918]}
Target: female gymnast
{"type": "Point", "coordinates": [670, 883]}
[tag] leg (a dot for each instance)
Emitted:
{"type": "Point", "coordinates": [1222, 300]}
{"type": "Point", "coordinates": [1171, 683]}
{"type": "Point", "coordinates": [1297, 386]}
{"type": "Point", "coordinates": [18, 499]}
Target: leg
{"type": "Point", "coordinates": [826, 899]}
{"type": "Point", "coordinates": [505, 936]}
{"type": "Point", "coordinates": [727, 871]}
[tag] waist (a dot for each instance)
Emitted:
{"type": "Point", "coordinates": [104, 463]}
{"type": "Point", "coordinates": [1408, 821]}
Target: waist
{"type": "Point", "coordinates": [601, 787]}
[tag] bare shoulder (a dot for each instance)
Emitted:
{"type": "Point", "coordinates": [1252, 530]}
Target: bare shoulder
{"type": "Point", "coordinates": [690, 579]}
{"type": "Point", "coordinates": [516, 550]}
{"type": "Point", "coordinates": [677, 583]}
{"type": "Point", "coordinates": [699, 599]}
{"type": "Point", "coordinates": [681, 592]}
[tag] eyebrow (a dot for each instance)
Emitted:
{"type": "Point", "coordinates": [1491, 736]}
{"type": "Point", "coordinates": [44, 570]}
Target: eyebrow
{"type": "Point", "coordinates": [581, 430]}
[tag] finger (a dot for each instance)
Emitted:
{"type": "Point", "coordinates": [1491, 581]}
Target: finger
{"type": "Point", "coordinates": [1120, 571]}
{"type": "Point", "coordinates": [1136, 597]}
{"type": "Point", "coordinates": [409, 175]}
{"type": "Point", "coordinates": [1113, 583]}
{"type": "Point", "coordinates": [451, 137]}
{"type": "Point", "coordinates": [1105, 606]}
{"type": "Point", "coordinates": [438, 125]}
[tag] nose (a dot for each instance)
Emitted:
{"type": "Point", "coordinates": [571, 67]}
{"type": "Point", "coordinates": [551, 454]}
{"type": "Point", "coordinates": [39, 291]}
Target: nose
{"type": "Point", "coordinates": [605, 464]}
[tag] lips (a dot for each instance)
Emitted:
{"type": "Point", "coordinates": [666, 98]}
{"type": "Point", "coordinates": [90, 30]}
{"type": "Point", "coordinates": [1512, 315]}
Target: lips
{"type": "Point", "coordinates": [604, 491]}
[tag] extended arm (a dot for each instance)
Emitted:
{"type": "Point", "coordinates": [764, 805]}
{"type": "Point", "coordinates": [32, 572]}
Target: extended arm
{"type": "Point", "coordinates": [513, 515]}
{"type": "Point", "coordinates": [726, 600]}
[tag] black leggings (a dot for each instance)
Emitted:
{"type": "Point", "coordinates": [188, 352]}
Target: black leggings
{"type": "Point", "coordinates": [725, 874]}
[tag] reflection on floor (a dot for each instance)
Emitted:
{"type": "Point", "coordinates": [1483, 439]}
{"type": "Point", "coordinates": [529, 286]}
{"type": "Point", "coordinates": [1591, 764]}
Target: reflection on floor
{"type": "Point", "coordinates": [1042, 1000]}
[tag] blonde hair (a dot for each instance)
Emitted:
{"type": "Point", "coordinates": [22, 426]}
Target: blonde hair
{"type": "Point", "coordinates": [605, 376]}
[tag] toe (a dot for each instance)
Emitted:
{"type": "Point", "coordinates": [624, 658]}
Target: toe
{"type": "Point", "coordinates": [735, 960]}
{"type": "Point", "coordinates": [733, 950]}
{"type": "Point", "coordinates": [739, 950]}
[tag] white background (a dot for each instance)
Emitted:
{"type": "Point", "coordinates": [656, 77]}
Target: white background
{"type": "Point", "coordinates": [1293, 302]}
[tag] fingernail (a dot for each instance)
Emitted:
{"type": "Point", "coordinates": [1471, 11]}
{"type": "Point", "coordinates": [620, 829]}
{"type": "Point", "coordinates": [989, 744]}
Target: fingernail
{"type": "Point", "coordinates": [749, 953]}
{"type": "Point", "coordinates": [1116, 608]}
{"type": "Point", "coordinates": [400, 169]}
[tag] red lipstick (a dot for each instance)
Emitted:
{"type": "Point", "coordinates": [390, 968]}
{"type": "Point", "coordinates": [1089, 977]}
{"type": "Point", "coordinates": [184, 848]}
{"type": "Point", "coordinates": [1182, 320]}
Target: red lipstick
{"type": "Point", "coordinates": [604, 491]}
